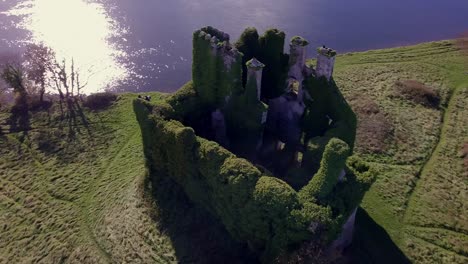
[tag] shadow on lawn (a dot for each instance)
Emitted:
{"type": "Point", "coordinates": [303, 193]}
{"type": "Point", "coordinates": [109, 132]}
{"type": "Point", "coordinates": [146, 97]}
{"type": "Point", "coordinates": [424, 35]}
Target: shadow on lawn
{"type": "Point", "coordinates": [196, 235]}
{"type": "Point", "coordinates": [372, 244]}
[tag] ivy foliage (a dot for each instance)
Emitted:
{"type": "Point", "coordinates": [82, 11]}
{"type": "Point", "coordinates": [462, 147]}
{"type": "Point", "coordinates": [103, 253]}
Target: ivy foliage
{"type": "Point", "coordinates": [268, 49]}
{"type": "Point", "coordinates": [261, 210]}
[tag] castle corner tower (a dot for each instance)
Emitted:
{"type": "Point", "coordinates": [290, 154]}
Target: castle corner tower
{"type": "Point", "coordinates": [325, 62]}
{"type": "Point", "coordinates": [254, 75]}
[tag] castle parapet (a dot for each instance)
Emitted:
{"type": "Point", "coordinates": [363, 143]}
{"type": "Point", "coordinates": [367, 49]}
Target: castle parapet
{"type": "Point", "coordinates": [325, 62]}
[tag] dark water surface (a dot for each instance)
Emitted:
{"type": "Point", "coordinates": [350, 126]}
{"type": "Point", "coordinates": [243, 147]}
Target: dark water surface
{"type": "Point", "coordinates": [146, 44]}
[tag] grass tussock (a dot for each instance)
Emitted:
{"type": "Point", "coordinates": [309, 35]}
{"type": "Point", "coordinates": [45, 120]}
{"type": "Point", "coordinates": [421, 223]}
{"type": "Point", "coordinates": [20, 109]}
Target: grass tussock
{"type": "Point", "coordinates": [418, 93]}
{"type": "Point", "coordinates": [375, 131]}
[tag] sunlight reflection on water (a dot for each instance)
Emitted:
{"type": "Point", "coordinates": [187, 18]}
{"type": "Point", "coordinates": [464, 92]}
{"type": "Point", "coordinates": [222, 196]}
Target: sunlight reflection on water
{"type": "Point", "coordinates": [76, 29]}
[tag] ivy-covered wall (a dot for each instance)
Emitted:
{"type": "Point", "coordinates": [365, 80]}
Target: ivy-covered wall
{"type": "Point", "coordinates": [327, 116]}
{"type": "Point", "coordinates": [216, 67]}
{"type": "Point", "coordinates": [263, 211]}
{"type": "Point", "coordinates": [269, 49]}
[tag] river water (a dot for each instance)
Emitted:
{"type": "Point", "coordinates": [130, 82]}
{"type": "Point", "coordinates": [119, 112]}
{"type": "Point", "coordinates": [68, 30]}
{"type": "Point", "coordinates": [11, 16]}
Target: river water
{"type": "Point", "coordinates": [143, 45]}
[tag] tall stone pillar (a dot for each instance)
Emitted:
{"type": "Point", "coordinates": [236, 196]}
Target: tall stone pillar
{"type": "Point", "coordinates": [346, 237]}
{"type": "Point", "coordinates": [297, 58]}
{"type": "Point", "coordinates": [325, 62]}
{"type": "Point", "coordinates": [254, 77]}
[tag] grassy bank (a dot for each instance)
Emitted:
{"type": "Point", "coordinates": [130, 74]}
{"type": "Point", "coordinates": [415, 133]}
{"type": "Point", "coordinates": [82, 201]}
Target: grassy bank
{"type": "Point", "coordinates": [77, 199]}
{"type": "Point", "coordinates": [419, 198]}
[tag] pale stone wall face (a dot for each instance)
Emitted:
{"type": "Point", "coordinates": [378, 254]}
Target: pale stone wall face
{"type": "Point", "coordinates": [257, 75]}
{"type": "Point", "coordinates": [346, 237]}
{"type": "Point", "coordinates": [325, 66]}
{"type": "Point", "coordinates": [297, 58]}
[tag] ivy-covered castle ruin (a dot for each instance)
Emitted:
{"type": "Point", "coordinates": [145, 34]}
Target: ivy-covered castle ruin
{"type": "Point", "coordinates": [261, 139]}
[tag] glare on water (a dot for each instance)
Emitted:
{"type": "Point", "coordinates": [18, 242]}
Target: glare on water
{"type": "Point", "coordinates": [78, 30]}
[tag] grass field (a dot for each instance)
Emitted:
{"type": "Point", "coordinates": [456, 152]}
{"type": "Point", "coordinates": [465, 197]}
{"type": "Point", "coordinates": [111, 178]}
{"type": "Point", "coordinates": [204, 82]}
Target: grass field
{"type": "Point", "coordinates": [420, 196]}
{"type": "Point", "coordinates": [77, 200]}
{"type": "Point", "coordinates": [79, 193]}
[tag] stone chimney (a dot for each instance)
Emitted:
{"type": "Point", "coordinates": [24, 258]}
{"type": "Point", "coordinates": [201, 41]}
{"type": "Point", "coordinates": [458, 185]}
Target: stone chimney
{"type": "Point", "coordinates": [254, 76]}
{"type": "Point", "coordinates": [297, 57]}
{"type": "Point", "coordinates": [325, 62]}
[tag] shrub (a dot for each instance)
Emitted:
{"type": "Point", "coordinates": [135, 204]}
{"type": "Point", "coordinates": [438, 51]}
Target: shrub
{"type": "Point", "coordinates": [99, 101]}
{"type": "Point", "coordinates": [418, 92]}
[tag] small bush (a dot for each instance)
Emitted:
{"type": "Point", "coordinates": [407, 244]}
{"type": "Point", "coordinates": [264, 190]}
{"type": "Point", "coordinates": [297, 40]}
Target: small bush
{"type": "Point", "coordinates": [418, 93]}
{"type": "Point", "coordinates": [99, 101]}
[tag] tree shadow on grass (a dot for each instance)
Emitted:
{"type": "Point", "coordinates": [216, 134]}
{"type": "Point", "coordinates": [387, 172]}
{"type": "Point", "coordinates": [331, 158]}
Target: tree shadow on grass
{"type": "Point", "coordinates": [372, 244]}
{"type": "Point", "coordinates": [19, 120]}
{"type": "Point", "coordinates": [196, 235]}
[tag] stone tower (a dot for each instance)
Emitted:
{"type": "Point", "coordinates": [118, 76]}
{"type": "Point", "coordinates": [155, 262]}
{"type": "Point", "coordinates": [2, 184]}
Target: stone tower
{"type": "Point", "coordinates": [325, 62]}
{"type": "Point", "coordinates": [254, 76]}
{"type": "Point", "coordinates": [297, 59]}
{"type": "Point", "coordinates": [216, 67]}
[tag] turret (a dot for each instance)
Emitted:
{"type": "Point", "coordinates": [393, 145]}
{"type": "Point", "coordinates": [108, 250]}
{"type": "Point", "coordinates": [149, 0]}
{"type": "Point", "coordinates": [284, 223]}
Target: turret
{"type": "Point", "coordinates": [217, 67]}
{"type": "Point", "coordinates": [325, 62]}
{"type": "Point", "coordinates": [297, 57]}
{"type": "Point", "coordinates": [254, 77]}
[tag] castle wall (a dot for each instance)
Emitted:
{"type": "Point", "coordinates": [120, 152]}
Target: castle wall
{"type": "Point", "coordinates": [271, 48]}
{"type": "Point", "coordinates": [217, 67]}
{"type": "Point", "coordinates": [233, 189]}
{"type": "Point", "coordinates": [284, 115]}
{"type": "Point", "coordinates": [218, 125]}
